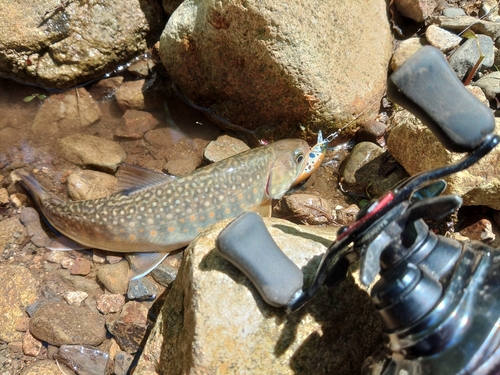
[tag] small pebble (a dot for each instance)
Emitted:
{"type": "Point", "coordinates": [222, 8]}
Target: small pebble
{"type": "Point", "coordinates": [15, 347]}
{"type": "Point", "coordinates": [81, 266]}
{"type": "Point", "coordinates": [31, 346]}
{"type": "Point", "coordinates": [110, 303]}
{"type": "Point", "coordinates": [142, 289]}
{"type": "Point", "coordinates": [123, 360]}
{"type": "Point", "coordinates": [453, 12]}
{"type": "Point", "coordinates": [482, 231]}
{"type": "Point", "coordinates": [114, 277]}
{"type": "Point", "coordinates": [67, 262]}
{"type": "Point", "coordinates": [441, 38]}
{"type": "Point", "coordinates": [164, 274]}
{"type": "Point", "coordinates": [75, 298]}
{"type": "Point", "coordinates": [4, 197]}
{"type": "Point", "coordinates": [83, 359]}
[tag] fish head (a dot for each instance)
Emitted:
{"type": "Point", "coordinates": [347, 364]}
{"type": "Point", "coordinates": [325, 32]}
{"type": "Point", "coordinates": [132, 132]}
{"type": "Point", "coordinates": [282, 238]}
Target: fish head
{"type": "Point", "coordinates": [289, 159]}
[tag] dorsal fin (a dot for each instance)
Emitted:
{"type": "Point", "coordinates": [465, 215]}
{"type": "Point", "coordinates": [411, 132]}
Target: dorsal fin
{"type": "Point", "coordinates": [133, 179]}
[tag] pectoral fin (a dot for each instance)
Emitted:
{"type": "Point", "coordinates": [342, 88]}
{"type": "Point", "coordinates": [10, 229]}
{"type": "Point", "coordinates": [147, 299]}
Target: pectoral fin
{"type": "Point", "coordinates": [264, 209]}
{"type": "Point", "coordinates": [143, 263]}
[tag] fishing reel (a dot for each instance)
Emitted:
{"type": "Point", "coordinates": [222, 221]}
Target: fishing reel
{"type": "Point", "coordinates": [438, 298]}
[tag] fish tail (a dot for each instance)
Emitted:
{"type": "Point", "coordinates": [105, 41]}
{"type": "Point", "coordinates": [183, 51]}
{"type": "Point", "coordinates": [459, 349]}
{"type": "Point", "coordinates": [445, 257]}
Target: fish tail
{"type": "Point", "coordinates": [30, 183]}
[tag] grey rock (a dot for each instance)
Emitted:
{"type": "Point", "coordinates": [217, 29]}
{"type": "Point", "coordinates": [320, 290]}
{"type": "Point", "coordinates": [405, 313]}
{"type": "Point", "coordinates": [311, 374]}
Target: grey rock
{"type": "Point", "coordinates": [64, 44]}
{"type": "Point", "coordinates": [441, 38]}
{"type": "Point", "coordinates": [142, 289]}
{"type": "Point", "coordinates": [31, 220]}
{"type": "Point", "coordinates": [467, 55]}
{"type": "Point", "coordinates": [114, 277]}
{"type": "Point", "coordinates": [263, 68]}
{"type": "Point", "coordinates": [213, 317]}
{"type": "Point", "coordinates": [224, 147]}
{"type": "Point", "coordinates": [130, 327]}
{"type": "Point", "coordinates": [83, 360]}
{"type": "Point", "coordinates": [18, 289]}
{"type": "Point", "coordinates": [490, 84]}
{"type": "Point", "coordinates": [453, 12]}
{"type": "Point", "coordinates": [59, 324]}
{"type": "Point", "coordinates": [164, 274]}
{"type": "Point", "coordinates": [65, 113]}
{"type": "Point", "coordinates": [88, 150]}
{"type": "Point", "coordinates": [417, 150]}
{"type": "Point", "coordinates": [459, 24]}
{"type": "Point", "coordinates": [88, 184]}
{"type": "Point", "coordinates": [123, 360]}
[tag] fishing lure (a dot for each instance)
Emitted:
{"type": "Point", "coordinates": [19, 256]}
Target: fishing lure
{"type": "Point", "coordinates": [315, 158]}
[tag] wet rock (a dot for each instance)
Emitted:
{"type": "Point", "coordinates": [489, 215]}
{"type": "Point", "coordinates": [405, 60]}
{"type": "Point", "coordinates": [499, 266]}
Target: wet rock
{"type": "Point", "coordinates": [131, 95]}
{"type": "Point", "coordinates": [142, 289]}
{"type": "Point", "coordinates": [224, 147]}
{"type": "Point", "coordinates": [141, 68]}
{"type": "Point", "coordinates": [405, 50]}
{"type": "Point", "coordinates": [31, 346]}
{"type": "Point", "coordinates": [467, 55]}
{"type": "Point", "coordinates": [9, 226]}
{"type": "Point", "coordinates": [179, 166]}
{"type": "Point", "coordinates": [83, 360]}
{"type": "Point", "coordinates": [417, 150]}
{"type": "Point", "coordinates": [481, 230]}
{"type": "Point", "coordinates": [75, 298]}
{"type": "Point", "coordinates": [361, 154]}
{"type": "Point", "coordinates": [123, 360]}
{"type": "Point", "coordinates": [31, 220]}
{"type": "Point", "coordinates": [106, 88]}
{"type": "Point", "coordinates": [18, 289]}
{"type": "Point", "coordinates": [130, 327]}
{"type": "Point", "coordinates": [347, 215]}
{"type": "Point", "coordinates": [216, 55]}
{"type": "Point", "coordinates": [441, 38]}
{"type": "Point", "coordinates": [65, 113]}
{"type": "Point", "coordinates": [114, 277]}
{"type": "Point", "coordinates": [110, 303]}
{"type": "Point", "coordinates": [459, 24]}
{"type": "Point", "coordinates": [45, 367]}
{"type": "Point", "coordinates": [164, 274]}
{"type": "Point", "coordinates": [135, 123]}
{"type": "Point", "coordinates": [81, 266]}
{"type": "Point", "coordinates": [62, 45]}
{"type": "Point", "coordinates": [84, 185]}
{"type": "Point", "coordinates": [59, 324]}
{"type": "Point", "coordinates": [490, 84]}
{"type": "Point", "coordinates": [416, 10]}
{"type": "Point", "coordinates": [305, 209]}
{"type": "Point", "coordinates": [213, 317]}
{"type": "Point", "coordinates": [88, 150]}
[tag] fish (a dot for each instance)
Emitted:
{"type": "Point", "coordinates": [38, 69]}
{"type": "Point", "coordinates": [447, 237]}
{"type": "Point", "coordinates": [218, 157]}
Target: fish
{"type": "Point", "coordinates": [152, 214]}
{"type": "Point", "coordinates": [315, 158]}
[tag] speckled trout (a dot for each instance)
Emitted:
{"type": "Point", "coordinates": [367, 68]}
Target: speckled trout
{"type": "Point", "coordinates": [153, 214]}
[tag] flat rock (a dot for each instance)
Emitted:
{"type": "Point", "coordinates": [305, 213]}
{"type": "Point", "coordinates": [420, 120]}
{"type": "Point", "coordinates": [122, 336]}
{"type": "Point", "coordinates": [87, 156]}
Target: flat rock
{"type": "Point", "coordinates": [459, 24]}
{"type": "Point", "coordinates": [64, 113]}
{"type": "Point", "coordinates": [87, 184]}
{"type": "Point", "coordinates": [224, 147]}
{"type": "Point", "coordinates": [61, 45]}
{"type": "Point", "coordinates": [18, 289]}
{"type": "Point", "coordinates": [59, 324]}
{"type": "Point", "coordinates": [88, 150]}
{"type": "Point", "coordinates": [263, 68]}
{"type": "Point", "coordinates": [417, 150]}
{"type": "Point", "coordinates": [135, 123]}
{"type": "Point", "coordinates": [214, 320]}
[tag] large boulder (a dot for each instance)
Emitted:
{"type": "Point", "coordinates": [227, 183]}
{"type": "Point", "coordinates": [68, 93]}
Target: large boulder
{"type": "Point", "coordinates": [214, 320]}
{"type": "Point", "coordinates": [416, 149]}
{"type": "Point", "coordinates": [60, 44]}
{"type": "Point", "coordinates": [273, 68]}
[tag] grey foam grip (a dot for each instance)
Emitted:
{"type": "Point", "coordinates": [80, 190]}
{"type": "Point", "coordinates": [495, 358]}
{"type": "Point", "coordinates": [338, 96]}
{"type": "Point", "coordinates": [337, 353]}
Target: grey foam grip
{"type": "Point", "coordinates": [426, 86]}
{"type": "Point", "coordinates": [247, 244]}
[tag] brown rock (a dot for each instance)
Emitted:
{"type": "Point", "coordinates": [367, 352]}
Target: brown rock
{"type": "Point", "coordinates": [224, 147]}
{"type": "Point", "coordinates": [131, 326]}
{"type": "Point", "coordinates": [481, 230]}
{"type": "Point", "coordinates": [110, 303]}
{"type": "Point", "coordinates": [114, 277]}
{"type": "Point", "coordinates": [135, 123]}
{"type": "Point", "coordinates": [58, 324]}
{"type": "Point", "coordinates": [84, 185]}
{"type": "Point", "coordinates": [130, 95]}
{"type": "Point", "coordinates": [31, 346]}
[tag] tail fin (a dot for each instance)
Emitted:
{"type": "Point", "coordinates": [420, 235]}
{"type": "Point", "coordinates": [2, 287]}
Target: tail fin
{"type": "Point", "coordinates": [33, 187]}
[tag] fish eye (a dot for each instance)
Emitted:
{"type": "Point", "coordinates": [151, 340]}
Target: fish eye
{"type": "Point", "coordinates": [298, 156]}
